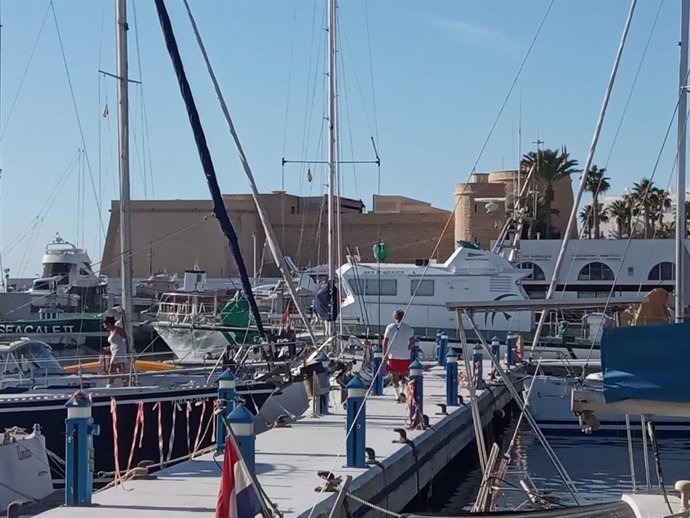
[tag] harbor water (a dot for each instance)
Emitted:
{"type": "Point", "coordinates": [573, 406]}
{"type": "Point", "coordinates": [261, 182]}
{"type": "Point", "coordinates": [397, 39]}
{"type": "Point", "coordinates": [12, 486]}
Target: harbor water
{"type": "Point", "coordinates": [598, 465]}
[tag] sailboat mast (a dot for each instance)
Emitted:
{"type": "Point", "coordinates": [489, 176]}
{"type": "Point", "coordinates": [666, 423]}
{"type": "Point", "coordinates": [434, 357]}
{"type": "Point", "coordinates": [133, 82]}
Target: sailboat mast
{"type": "Point", "coordinates": [123, 143]}
{"type": "Point", "coordinates": [332, 136]}
{"type": "Point", "coordinates": [332, 144]}
{"type": "Point", "coordinates": [680, 185]}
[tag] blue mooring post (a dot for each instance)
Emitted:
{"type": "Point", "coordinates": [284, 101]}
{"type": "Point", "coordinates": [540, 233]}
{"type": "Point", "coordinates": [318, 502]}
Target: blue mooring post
{"type": "Point", "coordinates": [417, 375]}
{"type": "Point", "coordinates": [496, 354]}
{"type": "Point", "coordinates": [242, 423]}
{"type": "Point", "coordinates": [325, 391]}
{"type": "Point", "coordinates": [414, 352]}
{"type": "Point", "coordinates": [227, 395]}
{"type": "Point", "coordinates": [356, 423]}
{"type": "Point", "coordinates": [377, 389]}
{"type": "Point", "coordinates": [443, 350]}
{"type": "Point", "coordinates": [477, 358]}
{"type": "Point", "coordinates": [79, 456]}
{"type": "Point", "coordinates": [496, 349]}
{"type": "Point", "coordinates": [452, 378]}
{"type": "Point", "coordinates": [510, 353]}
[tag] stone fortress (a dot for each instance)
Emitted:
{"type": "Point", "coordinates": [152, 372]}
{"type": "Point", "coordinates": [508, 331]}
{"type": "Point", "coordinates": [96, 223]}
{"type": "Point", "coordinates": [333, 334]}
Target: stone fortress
{"type": "Point", "coordinates": [174, 235]}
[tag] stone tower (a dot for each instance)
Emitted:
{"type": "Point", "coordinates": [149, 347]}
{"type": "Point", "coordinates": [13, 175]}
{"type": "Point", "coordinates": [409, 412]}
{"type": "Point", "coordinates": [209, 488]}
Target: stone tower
{"type": "Point", "coordinates": [473, 222]}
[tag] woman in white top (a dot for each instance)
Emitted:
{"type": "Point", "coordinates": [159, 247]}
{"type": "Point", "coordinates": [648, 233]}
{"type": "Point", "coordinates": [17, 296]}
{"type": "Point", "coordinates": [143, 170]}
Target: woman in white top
{"type": "Point", "coordinates": [117, 340]}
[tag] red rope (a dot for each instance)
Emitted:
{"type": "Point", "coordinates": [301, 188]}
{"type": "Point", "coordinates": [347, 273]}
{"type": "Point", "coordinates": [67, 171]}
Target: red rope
{"type": "Point", "coordinates": [138, 429]}
{"type": "Point", "coordinates": [201, 422]}
{"type": "Point", "coordinates": [116, 449]}
{"type": "Point", "coordinates": [159, 406]}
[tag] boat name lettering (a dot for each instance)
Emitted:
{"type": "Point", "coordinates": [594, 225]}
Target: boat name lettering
{"type": "Point", "coordinates": [18, 329]}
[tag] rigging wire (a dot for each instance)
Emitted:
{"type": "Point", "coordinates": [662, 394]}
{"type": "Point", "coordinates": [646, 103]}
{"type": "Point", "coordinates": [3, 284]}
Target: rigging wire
{"type": "Point", "coordinates": [512, 86]}
{"type": "Point", "coordinates": [76, 113]}
{"type": "Point", "coordinates": [147, 165]}
{"type": "Point", "coordinates": [615, 139]}
{"type": "Point", "coordinates": [637, 219]}
{"type": "Point", "coordinates": [25, 73]}
{"type": "Point", "coordinates": [289, 88]}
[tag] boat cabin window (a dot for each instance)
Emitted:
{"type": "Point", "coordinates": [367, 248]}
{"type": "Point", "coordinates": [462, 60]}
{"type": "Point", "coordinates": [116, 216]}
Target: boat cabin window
{"type": "Point", "coordinates": [663, 272]}
{"type": "Point", "coordinates": [389, 287]}
{"type": "Point", "coordinates": [537, 272]}
{"type": "Point", "coordinates": [595, 272]}
{"type": "Point", "coordinates": [58, 269]}
{"type": "Point", "coordinates": [422, 288]}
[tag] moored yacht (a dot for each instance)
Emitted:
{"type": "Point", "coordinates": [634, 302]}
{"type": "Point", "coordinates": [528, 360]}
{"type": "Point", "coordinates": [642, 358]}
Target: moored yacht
{"type": "Point", "coordinates": [372, 291]}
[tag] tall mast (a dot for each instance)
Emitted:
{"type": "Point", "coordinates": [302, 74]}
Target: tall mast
{"type": "Point", "coordinates": [123, 143]}
{"type": "Point", "coordinates": [332, 139]}
{"type": "Point", "coordinates": [680, 185]}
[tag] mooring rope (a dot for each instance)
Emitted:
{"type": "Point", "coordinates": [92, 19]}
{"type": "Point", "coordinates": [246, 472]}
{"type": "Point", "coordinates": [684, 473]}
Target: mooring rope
{"type": "Point", "coordinates": [373, 506]}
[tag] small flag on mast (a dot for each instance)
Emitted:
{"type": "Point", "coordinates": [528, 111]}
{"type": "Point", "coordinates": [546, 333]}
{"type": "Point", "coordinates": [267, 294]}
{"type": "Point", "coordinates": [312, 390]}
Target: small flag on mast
{"type": "Point", "coordinates": [310, 177]}
{"type": "Point", "coordinates": [106, 111]}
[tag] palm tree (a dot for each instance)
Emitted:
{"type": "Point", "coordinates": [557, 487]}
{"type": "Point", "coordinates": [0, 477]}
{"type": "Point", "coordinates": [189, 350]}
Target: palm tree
{"type": "Point", "coordinates": [621, 211]}
{"type": "Point", "coordinates": [539, 219]}
{"type": "Point", "coordinates": [643, 196]}
{"type": "Point", "coordinates": [550, 166]}
{"type": "Point", "coordinates": [588, 216]}
{"type": "Point", "coordinates": [660, 203]}
{"type": "Point", "coordinates": [596, 183]}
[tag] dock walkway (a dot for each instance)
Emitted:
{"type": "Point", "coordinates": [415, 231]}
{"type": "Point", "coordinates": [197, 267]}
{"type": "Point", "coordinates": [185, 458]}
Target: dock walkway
{"type": "Point", "coordinates": [287, 461]}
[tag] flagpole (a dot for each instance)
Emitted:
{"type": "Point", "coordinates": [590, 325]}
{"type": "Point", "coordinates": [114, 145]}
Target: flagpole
{"type": "Point", "coordinates": [263, 497]}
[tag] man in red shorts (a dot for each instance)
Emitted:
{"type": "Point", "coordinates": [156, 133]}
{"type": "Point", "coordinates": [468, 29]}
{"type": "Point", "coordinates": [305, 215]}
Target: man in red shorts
{"type": "Point", "coordinates": [398, 340]}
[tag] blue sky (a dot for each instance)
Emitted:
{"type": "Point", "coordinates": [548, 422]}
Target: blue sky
{"type": "Point", "coordinates": [425, 78]}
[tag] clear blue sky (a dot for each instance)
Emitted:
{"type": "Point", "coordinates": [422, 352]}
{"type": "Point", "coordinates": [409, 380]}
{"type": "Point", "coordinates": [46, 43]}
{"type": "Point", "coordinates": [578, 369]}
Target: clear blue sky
{"type": "Point", "coordinates": [424, 77]}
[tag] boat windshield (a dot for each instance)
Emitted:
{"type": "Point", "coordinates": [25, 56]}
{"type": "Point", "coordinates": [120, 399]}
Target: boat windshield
{"type": "Point", "coordinates": [34, 357]}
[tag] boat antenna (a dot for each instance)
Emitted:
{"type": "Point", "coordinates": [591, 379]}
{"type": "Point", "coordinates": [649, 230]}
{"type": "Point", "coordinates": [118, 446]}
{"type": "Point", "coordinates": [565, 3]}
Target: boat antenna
{"type": "Point", "coordinates": [123, 143]}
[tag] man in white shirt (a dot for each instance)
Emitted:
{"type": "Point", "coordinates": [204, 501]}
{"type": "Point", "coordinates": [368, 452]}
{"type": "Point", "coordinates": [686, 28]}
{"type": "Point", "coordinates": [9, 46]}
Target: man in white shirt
{"type": "Point", "coordinates": [398, 340]}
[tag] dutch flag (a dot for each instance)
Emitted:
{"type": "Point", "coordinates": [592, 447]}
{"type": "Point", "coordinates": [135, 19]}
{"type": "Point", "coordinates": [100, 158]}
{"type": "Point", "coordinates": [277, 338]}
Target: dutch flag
{"type": "Point", "coordinates": [238, 497]}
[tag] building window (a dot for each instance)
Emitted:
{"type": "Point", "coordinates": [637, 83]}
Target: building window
{"type": "Point", "coordinates": [631, 270]}
{"type": "Point", "coordinates": [537, 273]}
{"type": "Point", "coordinates": [665, 271]}
{"type": "Point", "coordinates": [595, 272]}
{"type": "Point", "coordinates": [422, 288]}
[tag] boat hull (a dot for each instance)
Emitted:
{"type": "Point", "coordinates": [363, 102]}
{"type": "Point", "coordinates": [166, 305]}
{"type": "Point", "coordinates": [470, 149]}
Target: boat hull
{"type": "Point", "coordinates": [181, 418]}
{"type": "Point", "coordinates": [549, 403]}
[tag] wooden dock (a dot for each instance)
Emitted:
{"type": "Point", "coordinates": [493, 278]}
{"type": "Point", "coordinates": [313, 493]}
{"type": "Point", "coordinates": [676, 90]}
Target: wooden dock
{"type": "Point", "coordinates": [288, 459]}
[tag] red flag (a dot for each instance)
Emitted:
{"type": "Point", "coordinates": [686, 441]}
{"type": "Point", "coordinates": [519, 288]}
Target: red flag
{"type": "Point", "coordinates": [237, 496]}
{"type": "Point", "coordinates": [286, 318]}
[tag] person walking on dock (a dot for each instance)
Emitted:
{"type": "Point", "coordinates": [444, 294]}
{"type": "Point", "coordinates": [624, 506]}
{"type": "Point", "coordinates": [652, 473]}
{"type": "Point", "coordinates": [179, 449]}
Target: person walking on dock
{"type": "Point", "coordinates": [398, 340]}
